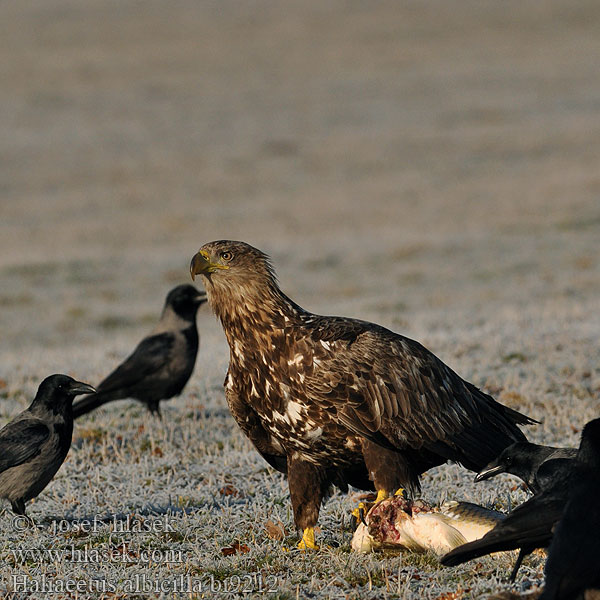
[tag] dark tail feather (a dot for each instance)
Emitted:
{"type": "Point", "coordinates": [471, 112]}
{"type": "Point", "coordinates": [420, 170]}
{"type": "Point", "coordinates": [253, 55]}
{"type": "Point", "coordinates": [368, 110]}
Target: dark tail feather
{"type": "Point", "coordinates": [475, 447]}
{"type": "Point", "coordinates": [473, 550]}
{"type": "Point", "coordinates": [89, 403]}
{"type": "Point", "coordinates": [501, 540]}
{"type": "Point", "coordinates": [478, 445]}
{"type": "Point", "coordinates": [518, 417]}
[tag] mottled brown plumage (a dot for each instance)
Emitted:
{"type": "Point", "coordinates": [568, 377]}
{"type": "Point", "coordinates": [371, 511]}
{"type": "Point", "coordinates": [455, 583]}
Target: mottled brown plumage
{"type": "Point", "coordinates": [333, 400]}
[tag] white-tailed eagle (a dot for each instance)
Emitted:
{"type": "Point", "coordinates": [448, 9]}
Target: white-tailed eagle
{"type": "Point", "coordinates": [334, 400]}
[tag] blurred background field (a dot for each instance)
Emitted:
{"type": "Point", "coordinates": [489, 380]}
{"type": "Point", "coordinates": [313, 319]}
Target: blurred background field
{"type": "Point", "coordinates": [429, 166]}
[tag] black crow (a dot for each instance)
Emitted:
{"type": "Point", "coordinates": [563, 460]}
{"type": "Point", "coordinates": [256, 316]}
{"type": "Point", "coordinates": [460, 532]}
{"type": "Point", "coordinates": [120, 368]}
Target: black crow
{"type": "Point", "coordinates": [161, 364]}
{"type": "Point", "coordinates": [524, 460]}
{"type": "Point", "coordinates": [530, 525]}
{"type": "Point", "coordinates": [573, 563]}
{"type": "Point", "coordinates": [551, 470]}
{"type": "Point", "coordinates": [34, 444]}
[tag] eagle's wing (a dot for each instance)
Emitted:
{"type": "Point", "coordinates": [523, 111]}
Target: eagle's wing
{"type": "Point", "coordinates": [249, 422]}
{"type": "Point", "coordinates": [383, 384]}
{"type": "Point", "coordinates": [20, 441]}
{"type": "Point", "coordinates": [150, 355]}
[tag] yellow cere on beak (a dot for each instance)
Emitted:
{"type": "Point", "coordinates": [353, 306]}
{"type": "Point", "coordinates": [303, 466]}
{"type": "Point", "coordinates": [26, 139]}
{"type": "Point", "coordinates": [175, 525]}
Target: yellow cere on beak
{"type": "Point", "coordinates": [201, 265]}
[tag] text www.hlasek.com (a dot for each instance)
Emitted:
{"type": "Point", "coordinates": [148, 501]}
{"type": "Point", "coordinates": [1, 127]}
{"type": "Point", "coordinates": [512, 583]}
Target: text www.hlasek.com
{"type": "Point", "coordinates": [85, 554]}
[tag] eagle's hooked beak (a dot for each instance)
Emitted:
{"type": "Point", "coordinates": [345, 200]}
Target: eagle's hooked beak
{"type": "Point", "coordinates": [201, 265]}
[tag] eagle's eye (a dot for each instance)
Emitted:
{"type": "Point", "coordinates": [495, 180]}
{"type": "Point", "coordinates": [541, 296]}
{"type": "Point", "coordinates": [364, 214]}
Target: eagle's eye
{"type": "Point", "coordinates": [226, 255]}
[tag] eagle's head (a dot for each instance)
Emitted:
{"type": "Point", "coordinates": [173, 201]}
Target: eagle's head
{"type": "Point", "coordinates": [226, 260]}
{"type": "Point", "coordinates": [238, 278]}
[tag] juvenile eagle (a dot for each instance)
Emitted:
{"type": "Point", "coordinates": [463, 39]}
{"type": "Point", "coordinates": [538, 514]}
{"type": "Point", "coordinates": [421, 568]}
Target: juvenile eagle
{"type": "Point", "coordinates": [333, 400]}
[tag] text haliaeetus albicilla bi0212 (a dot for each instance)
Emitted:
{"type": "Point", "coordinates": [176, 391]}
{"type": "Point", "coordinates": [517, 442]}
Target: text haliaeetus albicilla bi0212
{"type": "Point", "coordinates": [334, 400]}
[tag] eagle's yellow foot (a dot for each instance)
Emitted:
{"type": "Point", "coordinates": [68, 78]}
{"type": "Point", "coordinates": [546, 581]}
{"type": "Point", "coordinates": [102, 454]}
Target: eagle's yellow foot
{"type": "Point", "coordinates": [401, 492]}
{"type": "Point", "coordinates": [308, 540]}
{"type": "Point", "coordinates": [381, 495]}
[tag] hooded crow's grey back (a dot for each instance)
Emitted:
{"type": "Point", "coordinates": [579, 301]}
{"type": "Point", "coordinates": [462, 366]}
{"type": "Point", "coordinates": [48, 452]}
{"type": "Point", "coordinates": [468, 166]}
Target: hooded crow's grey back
{"type": "Point", "coordinates": [161, 364]}
{"type": "Point", "coordinates": [524, 460]}
{"type": "Point", "coordinates": [34, 444]}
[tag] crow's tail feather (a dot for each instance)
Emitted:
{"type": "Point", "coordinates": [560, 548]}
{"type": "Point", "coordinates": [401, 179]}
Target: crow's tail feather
{"type": "Point", "coordinates": [89, 403]}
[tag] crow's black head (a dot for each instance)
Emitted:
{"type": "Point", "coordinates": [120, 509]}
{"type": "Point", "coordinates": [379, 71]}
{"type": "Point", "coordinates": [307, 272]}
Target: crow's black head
{"type": "Point", "coordinates": [56, 392]}
{"type": "Point", "coordinates": [521, 459]}
{"type": "Point", "coordinates": [185, 300]}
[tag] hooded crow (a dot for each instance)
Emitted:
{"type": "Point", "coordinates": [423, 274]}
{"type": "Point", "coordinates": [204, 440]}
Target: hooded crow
{"type": "Point", "coordinates": [35, 443]}
{"type": "Point", "coordinates": [161, 364]}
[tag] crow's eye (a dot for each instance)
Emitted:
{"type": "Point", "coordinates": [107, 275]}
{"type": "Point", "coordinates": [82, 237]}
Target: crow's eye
{"type": "Point", "coordinates": [227, 255]}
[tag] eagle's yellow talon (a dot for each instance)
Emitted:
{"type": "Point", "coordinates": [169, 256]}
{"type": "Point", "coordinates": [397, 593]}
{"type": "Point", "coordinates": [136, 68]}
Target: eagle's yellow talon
{"type": "Point", "coordinates": [308, 540]}
{"type": "Point", "coordinates": [401, 492]}
{"type": "Point", "coordinates": [361, 515]}
{"type": "Point", "coordinates": [360, 512]}
{"type": "Point", "coordinates": [356, 512]}
{"type": "Point", "coordinates": [362, 509]}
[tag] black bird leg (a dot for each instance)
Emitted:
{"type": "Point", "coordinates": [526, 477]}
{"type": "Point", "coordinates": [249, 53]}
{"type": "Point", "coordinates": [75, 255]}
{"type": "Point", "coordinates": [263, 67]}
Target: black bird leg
{"type": "Point", "coordinates": [154, 408]}
{"type": "Point", "coordinates": [18, 507]}
{"type": "Point", "coordinates": [522, 554]}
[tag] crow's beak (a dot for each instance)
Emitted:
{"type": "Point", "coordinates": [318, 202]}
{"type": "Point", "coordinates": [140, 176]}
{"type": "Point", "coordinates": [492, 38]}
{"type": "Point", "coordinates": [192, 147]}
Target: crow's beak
{"type": "Point", "coordinates": [201, 297]}
{"type": "Point", "coordinates": [78, 387]}
{"type": "Point", "coordinates": [488, 472]}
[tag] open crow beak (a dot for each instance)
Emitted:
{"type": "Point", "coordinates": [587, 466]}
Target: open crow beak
{"type": "Point", "coordinates": [78, 387]}
{"type": "Point", "coordinates": [488, 472]}
{"type": "Point", "coordinates": [201, 297]}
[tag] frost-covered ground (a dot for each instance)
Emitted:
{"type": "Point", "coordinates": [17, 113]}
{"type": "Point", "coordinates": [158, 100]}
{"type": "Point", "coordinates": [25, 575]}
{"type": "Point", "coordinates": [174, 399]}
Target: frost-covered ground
{"type": "Point", "coordinates": [429, 166]}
